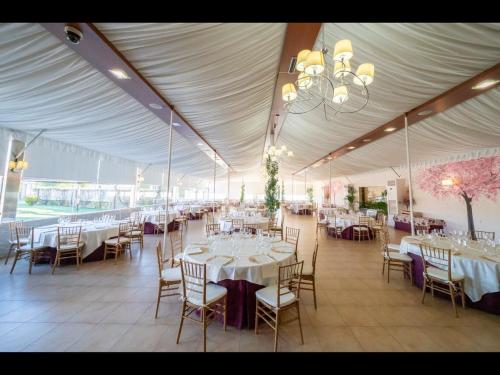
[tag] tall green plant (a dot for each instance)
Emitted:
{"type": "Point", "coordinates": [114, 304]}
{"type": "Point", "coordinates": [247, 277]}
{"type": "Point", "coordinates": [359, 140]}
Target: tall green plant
{"type": "Point", "coordinates": [310, 194]}
{"type": "Point", "coordinates": [350, 196]}
{"type": "Point", "coordinates": [272, 188]}
{"type": "Point", "coordinates": [242, 193]}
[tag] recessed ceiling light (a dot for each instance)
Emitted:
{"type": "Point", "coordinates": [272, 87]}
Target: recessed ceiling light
{"type": "Point", "coordinates": [176, 124]}
{"type": "Point", "coordinates": [330, 158]}
{"type": "Point", "coordinates": [425, 112]}
{"type": "Point", "coordinates": [366, 140]}
{"type": "Point", "coordinates": [200, 144]}
{"type": "Point", "coordinates": [485, 84]}
{"type": "Point", "coordinates": [351, 147]}
{"type": "Point", "coordinates": [118, 73]}
{"type": "Point", "coordinates": [155, 106]}
{"type": "Point", "coordinates": [389, 129]}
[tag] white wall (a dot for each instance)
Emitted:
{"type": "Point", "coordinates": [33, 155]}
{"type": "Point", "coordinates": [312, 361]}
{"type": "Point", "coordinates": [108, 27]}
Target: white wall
{"type": "Point", "coordinates": [452, 209]}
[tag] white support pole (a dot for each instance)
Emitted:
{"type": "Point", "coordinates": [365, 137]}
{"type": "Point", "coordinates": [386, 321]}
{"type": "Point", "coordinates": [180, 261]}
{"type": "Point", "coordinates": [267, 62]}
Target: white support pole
{"type": "Point", "coordinates": [292, 187]}
{"type": "Point", "coordinates": [305, 185]}
{"type": "Point", "coordinates": [215, 173]}
{"type": "Point", "coordinates": [167, 219]}
{"type": "Point", "coordinates": [330, 186]}
{"type": "Point", "coordinates": [228, 182]}
{"type": "Point", "coordinates": [408, 165]}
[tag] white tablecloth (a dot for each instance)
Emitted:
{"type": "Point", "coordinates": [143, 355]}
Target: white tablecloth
{"type": "Point", "coordinates": [242, 268]}
{"type": "Point", "coordinates": [481, 275]}
{"type": "Point", "coordinates": [92, 234]}
{"type": "Point", "coordinates": [150, 216]}
{"type": "Point", "coordinates": [256, 221]}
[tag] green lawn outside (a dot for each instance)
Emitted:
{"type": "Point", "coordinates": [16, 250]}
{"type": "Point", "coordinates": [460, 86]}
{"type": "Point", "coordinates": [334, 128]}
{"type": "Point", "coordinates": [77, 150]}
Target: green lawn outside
{"type": "Point", "coordinates": [26, 212]}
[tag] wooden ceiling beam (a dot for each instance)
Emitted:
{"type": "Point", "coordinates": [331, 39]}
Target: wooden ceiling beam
{"type": "Point", "coordinates": [96, 49]}
{"type": "Point", "coordinates": [448, 99]}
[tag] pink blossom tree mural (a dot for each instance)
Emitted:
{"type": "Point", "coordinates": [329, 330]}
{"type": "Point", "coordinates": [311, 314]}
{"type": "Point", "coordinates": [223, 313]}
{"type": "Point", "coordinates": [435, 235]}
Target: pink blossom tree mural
{"type": "Point", "coordinates": [335, 188]}
{"type": "Point", "coordinates": [469, 179]}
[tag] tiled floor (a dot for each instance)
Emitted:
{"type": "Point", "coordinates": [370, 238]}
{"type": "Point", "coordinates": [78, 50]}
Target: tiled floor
{"type": "Point", "coordinates": [107, 307]}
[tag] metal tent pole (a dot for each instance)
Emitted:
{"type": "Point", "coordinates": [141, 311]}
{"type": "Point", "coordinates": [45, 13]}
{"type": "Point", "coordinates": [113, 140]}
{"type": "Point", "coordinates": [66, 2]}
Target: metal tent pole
{"type": "Point", "coordinates": [215, 172]}
{"type": "Point", "coordinates": [330, 171]}
{"type": "Point", "coordinates": [408, 165]}
{"type": "Point", "coordinates": [165, 231]}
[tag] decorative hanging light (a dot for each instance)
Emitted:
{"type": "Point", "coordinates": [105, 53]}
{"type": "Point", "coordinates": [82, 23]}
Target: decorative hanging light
{"type": "Point", "coordinates": [288, 92]}
{"type": "Point", "coordinates": [330, 86]}
{"type": "Point", "coordinates": [18, 165]}
{"type": "Point", "coordinates": [301, 60]}
{"type": "Point", "coordinates": [315, 63]}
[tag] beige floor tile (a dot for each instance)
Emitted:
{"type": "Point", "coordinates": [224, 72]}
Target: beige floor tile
{"type": "Point", "coordinates": [357, 315]}
{"type": "Point", "coordinates": [415, 339]}
{"type": "Point", "coordinates": [95, 312]}
{"type": "Point", "coordinates": [143, 338]}
{"type": "Point", "coordinates": [28, 310]}
{"type": "Point", "coordinates": [100, 338]}
{"type": "Point", "coordinates": [61, 312]}
{"type": "Point", "coordinates": [20, 337]}
{"type": "Point", "coordinates": [376, 339]}
{"type": "Point", "coordinates": [338, 339]}
{"type": "Point", "coordinates": [127, 312]}
{"type": "Point", "coordinates": [59, 338]}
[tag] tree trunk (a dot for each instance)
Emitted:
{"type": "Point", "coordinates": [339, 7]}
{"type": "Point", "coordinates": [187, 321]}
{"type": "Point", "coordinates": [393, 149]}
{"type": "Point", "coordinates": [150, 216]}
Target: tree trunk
{"type": "Point", "coordinates": [470, 218]}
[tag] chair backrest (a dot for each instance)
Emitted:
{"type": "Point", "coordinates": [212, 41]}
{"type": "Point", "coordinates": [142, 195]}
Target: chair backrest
{"type": "Point", "coordinates": [384, 241]}
{"type": "Point", "coordinates": [22, 233]}
{"type": "Point", "coordinates": [292, 236]}
{"type": "Point", "coordinates": [175, 243]}
{"type": "Point", "coordinates": [237, 223]}
{"type": "Point", "coordinates": [315, 255]}
{"type": "Point", "coordinates": [250, 228]}
{"type": "Point", "coordinates": [422, 228]}
{"type": "Point", "coordinates": [194, 280]}
{"type": "Point", "coordinates": [483, 235]}
{"type": "Point", "coordinates": [432, 254]}
{"type": "Point", "coordinates": [289, 280]}
{"type": "Point", "coordinates": [364, 220]}
{"type": "Point", "coordinates": [124, 230]}
{"type": "Point", "coordinates": [12, 229]}
{"type": "Point", "coordinates": [159, 257]}
{"type": "Point", "coordinates": [69, 236]}
{"type": "Point", "coordinates": [212, 229]}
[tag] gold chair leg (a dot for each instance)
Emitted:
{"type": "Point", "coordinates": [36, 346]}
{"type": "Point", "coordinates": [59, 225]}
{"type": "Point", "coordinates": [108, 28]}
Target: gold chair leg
{"type": "Point", "coordinates": [411, 274]}
{"type": "Point", "coordinates": [314, 293]}
{"type": "Point", "coordinates": [424, 290]}
{"type": "Point", "coordinates": [257, 317]}
{"type": "Point", "coordinates": [225, 312]}
{"type": "Point", "coordinates": [388, 270]}
{"type": "Point", "coordinates": [158, 300]}
{"type": "Point", "coordinates": [8, 254]}
{"type": "Point", "coordinates": [15, 261]}
{"type": "Point", "coordinates": [300, 324]}
{"type": "Point", "coordinates": [182, 321]}
{"type": "Point", "coordinates": [204, 318]}
{"type": "Point", "coordinates": [32, 256]}
{"type": "Point", "coordinates": [383, 267]}
{"type": "Point", "coordinates": [462, 293]}
{"type": "Point", "coordinates": [276, 332]}
{"type": "Point", "coordinates": [105, 251]}
{"type": "Point", "coordinates": [56, 261]}
{"type": "Point", "coordinates": [452, 292]}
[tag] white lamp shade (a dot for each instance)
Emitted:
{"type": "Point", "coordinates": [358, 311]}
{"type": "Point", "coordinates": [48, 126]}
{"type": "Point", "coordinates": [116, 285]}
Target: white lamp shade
{"type": "Point", "coordinates": [290, 153]}
{"type": "Point", "coordinates": [365, 72]}
{"type": "Point", "coordinates": [283, 148]}
{"type": "Point", "coordinates": [272, 150]}
{"type": "Point", "coordinates": [340, 94]}
{"type": "Point", "coordinates": [301, 60]}
{"type": "Point", "coordinates": [304, 81]}
{"type": "Point", "coordinates": [343, 50]}
{"type": "Point", "coordinates": [315, 63]}
{"type": "Point", "coordinates": [340, 67]}
{"type": "Point", "coordinates": [288, 92]}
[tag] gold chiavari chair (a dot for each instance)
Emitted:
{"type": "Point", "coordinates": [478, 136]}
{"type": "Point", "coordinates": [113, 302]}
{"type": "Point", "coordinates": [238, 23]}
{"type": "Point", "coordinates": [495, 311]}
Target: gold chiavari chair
{"type": "Point", "coordinates": [308, 275]}
{"type": "Point", "coordinates": [483, 235]}
{"type": "Point", "coordinates": [182, 222]}
{"type": "Point", "coordinates": [421, 229]}
{"type": "Point", "coordinates": [198, 295]}
{"type": "Point", "coordinates": [277, 229]}
{"type": "Point", "coordinates": [395, 261]}
{"type": "Point", "coordinates": [137, 232]}
{"type": "Point", "coordinates": [212, 229]}
{"type": "Point", "coordinates": [448, 282]}
{"type": "Point", "coordinates": [69, 245]}
{"type": "Point", "coordinates": [273, 301]}
{"type": "Point", "coordinates": [160, 222]}
{"type": "Point", "coordinates": [176, 247]}
{"type": "Point", "coordinates": [379, 226]}
{"type": "Point", "coordinates": [29, 249]}
{"type": "Point", "coordinates": [336, 227]}
{"type": "Point", "coordinates": [13, 240]}
{"type": "Point", "coordinates": [120, 243]}
{"type": "Point", "coordinates": [249, 228]}
{"type": "Point", "coordinates": [237, 224]}
{"type": "Point", "coordinates": [362, 230]}
{"type": "Point", "coordinates": [292, 237]}
{"type": "Point", "coordinates": [321, 224]}
{"type": "Point", "coordinates": [168, 280]}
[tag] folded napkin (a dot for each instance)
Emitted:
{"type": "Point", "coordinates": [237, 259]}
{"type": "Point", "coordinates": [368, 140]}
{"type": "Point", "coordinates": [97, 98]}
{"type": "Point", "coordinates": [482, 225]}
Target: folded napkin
{"type": "Point", "coordinates": [262, 258]}
{"type": "Point", "coordinates": [220, 260]}
{"type": "Point", "coordinates": [195, 250]}
{"type": "Point", "coordinates": [282, 250]}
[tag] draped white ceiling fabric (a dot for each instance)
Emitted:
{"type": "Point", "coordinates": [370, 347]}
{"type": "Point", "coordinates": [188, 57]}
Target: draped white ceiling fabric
{"type": "Point", "coordinates": [220, 77]}
{"type": "Point", "coordinates": [469, 129]}
{"type": "Point", "coordinates": [45, 85]}
{"type": "Point", "coordinates": [413, 63]}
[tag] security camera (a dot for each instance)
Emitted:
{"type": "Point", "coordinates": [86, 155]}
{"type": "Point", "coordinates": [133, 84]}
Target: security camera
{"type": "Point", "coordinates": [73, 34]}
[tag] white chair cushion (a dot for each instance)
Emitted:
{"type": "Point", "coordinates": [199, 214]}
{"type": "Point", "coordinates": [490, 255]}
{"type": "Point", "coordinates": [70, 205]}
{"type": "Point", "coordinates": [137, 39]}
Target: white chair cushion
{"type": "Point", "coordinates": [438, 273]}
{"type": "Point", "coordinates": [171, 274]}
{"type": "Point", "coordinates": [307, 269]}
{"type": "Point", "coordinates": [114, 241]}
{"type": "Point", "coordinates": [400, 257]}
{"type": "Point", "coordinates": [22, 240]}
{"type": "Point", "coordinates": [269, 295]}
{"type": "Point", "coordinates": [133, 233]}
{"type": "Point", "coordinates": [36, 246]}
{"type": "Point", "coordinates": [393, 246]}
{"type": "Point", "coordinates": [357, 229]}
{"type": "Point", "coordinates": [214, 293]}
{"type": "Point", "coordinates": [71, 247]}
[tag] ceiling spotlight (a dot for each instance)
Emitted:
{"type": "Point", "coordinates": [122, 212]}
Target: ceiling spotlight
{"type": "Point", "coordinates": [485, 84]}
{"type": "Point", "coordinates": [389, 129]}
{"type": "Point", "coordinates": [330, 158]}
{"type": "Point", "coordinates": [155, 106]}
{"type": "Point", "coordinates": [118, 73]}
{"type": "Point", "coordinates": [351, 147]}
{"type": "Point", "coordinates": [200, 144]}
{"type": "Point", "coordinates": [366, 140]}
{"type": "Point", "coordinates": [176, 124]}
{"type": "Point", "coordinates": [425, 112]}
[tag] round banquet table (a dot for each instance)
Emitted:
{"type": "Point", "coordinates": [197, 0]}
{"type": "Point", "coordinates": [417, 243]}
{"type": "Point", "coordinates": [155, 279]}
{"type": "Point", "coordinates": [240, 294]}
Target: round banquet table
{"type": "Point", "coordinates": [348, 222]}
{"type": "Point", "coordinates": [258, 222]}
{"type": "Point", "coordinates": [481, 271]}
{"type": "Point", "coordinates": [243, 264]}
{"type": "Point", "coordinates": [150, 220]}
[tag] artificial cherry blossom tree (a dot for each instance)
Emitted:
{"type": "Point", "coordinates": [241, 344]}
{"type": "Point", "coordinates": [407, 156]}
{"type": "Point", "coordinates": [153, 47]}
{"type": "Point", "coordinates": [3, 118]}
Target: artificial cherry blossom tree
{"type": "Point", "coordinates": [469, 179]}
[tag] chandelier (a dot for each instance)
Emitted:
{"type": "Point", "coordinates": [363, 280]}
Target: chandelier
{"type": "Point", "coordinates": [17, 165]}
{"type": "Point", "coordinates": [278, 154]}
{"type": "Point", "coordinates": [328, 81]}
